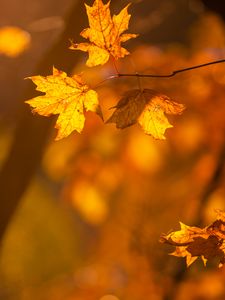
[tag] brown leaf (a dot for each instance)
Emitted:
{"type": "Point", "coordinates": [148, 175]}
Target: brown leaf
{"type": "Point", "coordinates": [146, 107]}
{"type": "Point", "coordinates": [193, 242]}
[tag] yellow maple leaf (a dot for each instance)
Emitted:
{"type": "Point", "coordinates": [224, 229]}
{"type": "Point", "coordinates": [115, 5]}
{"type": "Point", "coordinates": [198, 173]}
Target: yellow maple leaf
{"type": "Point", "coordinates": [105, 34]}
{"type": "Point", "coordinates": [146, 107]}
{"type": "Point", "coordinates": [13, 41]}
{"type": "Point", "coordinates": [67, 96]}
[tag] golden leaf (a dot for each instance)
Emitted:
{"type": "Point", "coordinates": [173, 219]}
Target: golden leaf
{"type": "Point", "coordinates": [13, 41]}
{"type": "Point", "coordinates": [146, 107]}
{"type": "Point", "coordinates": [193, 242]}
{"type": "Point", "coordinates": [105, 34]}
{"type": "Point", "coordinates": [67, 96]}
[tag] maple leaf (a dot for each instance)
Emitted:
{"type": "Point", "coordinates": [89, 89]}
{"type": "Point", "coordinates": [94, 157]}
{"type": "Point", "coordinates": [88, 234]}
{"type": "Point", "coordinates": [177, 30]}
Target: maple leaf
{"type": "Point", "coordinates": [105, 34]}
{"type": "Point", "coordinates": [67, 96]}
{"type": "Point", "coordinates": [146, 107]}
{"type": "Point", "coordinates": [193, 242]}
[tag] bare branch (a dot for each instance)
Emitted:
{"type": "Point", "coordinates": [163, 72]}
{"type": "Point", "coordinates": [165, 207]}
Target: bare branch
{"type": "Point", "coordinates": [173, 73]}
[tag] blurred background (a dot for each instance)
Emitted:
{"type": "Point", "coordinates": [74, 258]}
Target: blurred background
{"type": "Point", "coordinates": [80, 219]}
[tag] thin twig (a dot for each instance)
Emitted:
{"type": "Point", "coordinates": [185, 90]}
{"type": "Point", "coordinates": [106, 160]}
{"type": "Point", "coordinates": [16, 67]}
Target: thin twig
{"type": "Point", "coordinates": [136, 74]}
{"type": "Point", "coordinates": [106, 79]}
{"type": "Point", "coordinates": [174, 72]}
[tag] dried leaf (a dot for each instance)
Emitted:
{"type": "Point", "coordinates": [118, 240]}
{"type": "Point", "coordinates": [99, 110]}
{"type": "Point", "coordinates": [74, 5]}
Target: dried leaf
{"type": "Point", "coordinates": [105, 34]}
{"type": "Point", "coordinates": [193, 242]}
{"type": "Point", "coordinates": [146, 107]}
{"type": "Point", "coordinates": [67, 96]}
{"type": "Point", "coordinates": [13, 41]}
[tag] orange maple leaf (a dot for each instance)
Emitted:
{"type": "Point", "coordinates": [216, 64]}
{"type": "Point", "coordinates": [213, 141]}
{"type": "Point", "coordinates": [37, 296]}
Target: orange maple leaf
{"type": "Point", "coordinates": [66, 96]}
{"type": "Point", "coordinates": [193, 242]}
{"type": "Point", "coordinates": [105, 34]}
{"type": "Point", "coordinates": [146, 107]}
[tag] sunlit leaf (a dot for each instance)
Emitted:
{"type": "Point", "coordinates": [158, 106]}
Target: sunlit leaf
{"type": "Point", "coordinates": [148, 108]}
{"type": "Point", "coordinates": [67, 96]}
{"type": "Point", "coordinates": [194, 242]}
{"type": "Point", "coordinates": [105, 34]}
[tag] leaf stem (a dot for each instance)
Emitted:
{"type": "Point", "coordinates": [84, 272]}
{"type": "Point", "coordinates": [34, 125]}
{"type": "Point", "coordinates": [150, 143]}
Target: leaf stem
{"type": "Point", "coordinates": [139, 81]}
{"type": "Point", "coordinates": [135, 70]}
{"type": "Point", "coordinates": [114, 64]}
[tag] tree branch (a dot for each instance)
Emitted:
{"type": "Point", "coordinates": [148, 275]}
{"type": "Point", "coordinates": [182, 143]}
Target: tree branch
{"type": "Point", "coordinates": [171, 74]}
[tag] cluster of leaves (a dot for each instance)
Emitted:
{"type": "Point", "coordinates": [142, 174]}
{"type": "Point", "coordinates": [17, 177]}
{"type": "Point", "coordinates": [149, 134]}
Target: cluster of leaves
{"type": "Point", "coordinates": [192, 242]}
{"type": "Point", "coordinates": [69, 97]}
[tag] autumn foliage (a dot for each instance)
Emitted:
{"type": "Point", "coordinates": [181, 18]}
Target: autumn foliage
{"type": "Point", "coordinates": [193, 242]}
{"type": "Point", "coordinates": [146, 107]}
{"type": "Point", "coordinates": [68, 97]}
{"type": "Point", "coordinates": [100, 219]}
{"type": "Point", "coordinates": [105, 34]}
